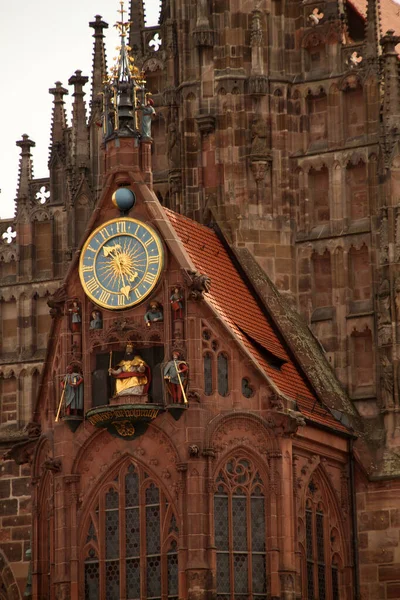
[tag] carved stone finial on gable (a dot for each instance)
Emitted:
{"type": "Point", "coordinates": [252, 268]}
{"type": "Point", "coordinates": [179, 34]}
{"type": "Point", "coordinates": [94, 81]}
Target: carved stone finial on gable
{"type": "Point", "coordinates": [199, 285]}
{"type": "Point", "coordinates": [52, 464]}
{"type": "Point", "coordinates": [285, 422]}
{"type": "Point", "coordinates": [33, 430]}
{"type": "Point", "coordinates": [22, 452]}
{"type": "Point", "coordinates": [57, 301]}
{"type": "Point", "coordinates": [194, 451]}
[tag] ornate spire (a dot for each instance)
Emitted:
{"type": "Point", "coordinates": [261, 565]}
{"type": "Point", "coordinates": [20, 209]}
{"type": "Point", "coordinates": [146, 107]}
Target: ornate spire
{"type": "Point", "coordinates": [390, 68]}
{"type": "Point", "coordinates": [25, 166]}
{"type": "Point", "coordinates": [203, 34]}
{"type": "Point", "coordinates": [122, 86]}
{"type": "Point", "coordinates": [99, 63]}
{"type": "Point", "coordinates": [136, 17]}
{"type": "Point", "coordinates": [59, 121]}
{"type": "Point", "coordinates": [256, 41]}
{"type": "Point", "coordinates": [372, 30]}
{"type": "Point", "coordinates": [80, 139]}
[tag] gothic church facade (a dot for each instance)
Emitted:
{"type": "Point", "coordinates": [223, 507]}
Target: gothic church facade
{"type": "Point", "coordinates": [272, 170]}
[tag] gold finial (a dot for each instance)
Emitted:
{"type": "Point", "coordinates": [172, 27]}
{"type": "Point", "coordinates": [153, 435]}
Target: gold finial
{"type": "Point", "coordinates": [122, 26]}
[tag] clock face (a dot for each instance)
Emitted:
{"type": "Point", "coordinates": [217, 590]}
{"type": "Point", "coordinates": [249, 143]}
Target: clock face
{"type": "Point", "coordinates": [121, 263]}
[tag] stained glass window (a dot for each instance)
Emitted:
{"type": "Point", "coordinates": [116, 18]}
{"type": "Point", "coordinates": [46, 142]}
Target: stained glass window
{"type": "Point", "coordinates": [240, 532]}
{"type": "Point", "coordinates": [335, 583]}
{"type": "Point", "coordinates": [319, 517]}
{"type": "Point", "coordinates": [134, 516]}
{"type": "Point", "coordinates": [223, 386]}
{"type": "Point", "coordinates": [172, 570]}
{"type": "Point", "coordinates": [310, 559]}
{"type": "Point", "coordinates": [247, 390]}
{"type": "Point", "coordinates": [92, 576]}
{"type": "Point", "coordinates": [318, 559]}
{"type": "Point", "coordinates": [208, 383]}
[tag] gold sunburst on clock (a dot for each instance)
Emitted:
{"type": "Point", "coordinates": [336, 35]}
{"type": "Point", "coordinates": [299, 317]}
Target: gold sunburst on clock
{"type": "Point", "coordinates": [121, 263]}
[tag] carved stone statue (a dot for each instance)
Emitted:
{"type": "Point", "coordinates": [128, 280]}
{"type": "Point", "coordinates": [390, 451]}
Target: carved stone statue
{"type": "Point", "coordinates": [397, 299]}
{"type": "Point", "coordinates": [259, 137]}
{"type": "Point", "coordinates": [72, 385]}
{"type": "Point", "coordinates": [386, 382]}
{"type": "Point", "coordinates": [148, 113]}
{"type": "Point", "coordinates": [173, 149]}
{"type": "Point", "coordinates": [176, 300]}
{"type": "Point", "coordinates": [57, 301]}
{"type": "Point", "coordinates": [384, 314]}
{"type": "Point", "coordinates": [132, 375]}
{"type": "Point", "coordinates": [154, 313]}
{"type": "Point", "coordinates": [176, 377]}
{"type": "Point", "coordinates": [76, 320]}
{"type": "Point", "coordinates": [200, 285]}
{"type": "Point", "coordinates": [96, 320]}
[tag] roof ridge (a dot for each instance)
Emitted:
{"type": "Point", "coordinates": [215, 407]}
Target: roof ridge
{"type": "Point", "coordinates": [199, 225]}
{"type": "Point", "coordinates": [235, 297]}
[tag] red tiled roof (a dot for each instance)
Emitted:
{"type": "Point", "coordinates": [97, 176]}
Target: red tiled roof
{"type": "Point", "coordinates": [238, 307]}
{"type": "Point", "coordinates": [389, 14]}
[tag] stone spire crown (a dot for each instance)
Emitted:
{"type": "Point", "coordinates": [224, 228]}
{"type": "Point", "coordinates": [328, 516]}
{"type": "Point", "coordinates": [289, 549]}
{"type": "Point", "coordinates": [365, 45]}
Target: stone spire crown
{"type": "Point", "coordinates": [136, 18]}
{"type": "Point", "coordinates": [25, 166]}
{"type": "Point", "coordinates": [390, 63]}
{"type": "Point", "coordinates": [372, 29]}
{"type": "Point", "coordinates": [79, 126]}
{"type": "Point", "coordinates": [99, 71]}
{"type": "Point", "coordinates": [59, 120]}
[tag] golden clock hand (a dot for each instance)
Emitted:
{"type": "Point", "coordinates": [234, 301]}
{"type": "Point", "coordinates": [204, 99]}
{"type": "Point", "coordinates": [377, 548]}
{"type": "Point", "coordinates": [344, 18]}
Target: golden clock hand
{"type": "Point", "coordinates": [126, 290]}
{"type": "Point", "coordinates": [113, 251]}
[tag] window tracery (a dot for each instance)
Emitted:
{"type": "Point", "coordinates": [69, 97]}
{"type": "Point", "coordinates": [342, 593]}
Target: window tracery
{"type": "Point", "coordinates": [215, 365]}
{"type": "Point", "coordinates": [322, 573]}
{"type": "Point", "coordinates": [240, 531]}
{"type": "Point", "coordinates": [131, 541]}
{"type": "Point", "coordinates": [222, 366]}
{"type": "Point", "coordinates": [208, 373]}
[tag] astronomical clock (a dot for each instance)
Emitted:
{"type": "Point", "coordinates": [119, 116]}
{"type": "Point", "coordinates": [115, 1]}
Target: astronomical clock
{"type": "Point", "coordinates": [121, 263]}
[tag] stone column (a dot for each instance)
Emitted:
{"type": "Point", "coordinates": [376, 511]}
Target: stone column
{"type": "Point", "coordinates": [145, 160]}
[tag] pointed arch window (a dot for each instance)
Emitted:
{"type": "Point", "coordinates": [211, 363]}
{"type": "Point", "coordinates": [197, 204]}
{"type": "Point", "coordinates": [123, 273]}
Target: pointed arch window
{"type": "Point", "coordinates": [223, 383]}
{"type": "Point", "coordinates": [208, 373]}
{"type": "Point", "coordinates": [322, 568]}
{"type": "Point", "coordinates": [46, 529]}
{"type": "Point", "coordinates": [131, 541]}
{"type": "Point", "coordinates": [240, 531]}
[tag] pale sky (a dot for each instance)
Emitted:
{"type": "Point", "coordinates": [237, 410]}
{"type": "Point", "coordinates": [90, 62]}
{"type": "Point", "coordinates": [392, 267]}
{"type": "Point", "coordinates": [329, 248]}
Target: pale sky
{"type": "Point", "coordinates": [41, 42]}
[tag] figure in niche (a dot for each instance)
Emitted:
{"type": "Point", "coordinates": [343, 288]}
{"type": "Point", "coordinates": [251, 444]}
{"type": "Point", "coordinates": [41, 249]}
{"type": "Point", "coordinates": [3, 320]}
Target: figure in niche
{"type": "Point", "coordinates": [96, 320]}
{"type": "Point", "coordinates": [148, 112]}
{"type": "Point", "coordinates": [386, 383]}
{"type": "Point", "coordinates": [72, 385]}
{"type": "Point", "coordinates": [384, 315]}
{"type": "Point", "coordinates": [173, 150]}
{"type": "Point", "coordinates": [176, 373]}
{"type": "Point", "coordinates": [132, 375]}
{"type": "Point", "coordinates": [154, 313]}
{"type": "Point", "coordinates": [259, 136]}
{"type": "Point", "coordinates": [176, 300]}
{"type": "Point", "coordinates": [397, 299]}
{"type": "Point", "coordinates": [76, 320]}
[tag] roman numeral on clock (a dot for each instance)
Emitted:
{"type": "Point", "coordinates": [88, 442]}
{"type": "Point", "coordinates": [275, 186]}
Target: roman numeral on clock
{"type": "Point", "coordinates": [104, 296]}
{"type": "Point", "coordinates": [121, 300]}
{"type": "Point", "coordinates": [91, 285]}
{"type": "Point", "coordinates": [149, 278]}
{"type": "Point", "coordinates": [153, 260]}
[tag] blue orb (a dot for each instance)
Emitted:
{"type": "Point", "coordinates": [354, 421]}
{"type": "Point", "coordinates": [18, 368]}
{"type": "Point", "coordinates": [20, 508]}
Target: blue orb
{"type": "Point", "coordinates": [124, 199]}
